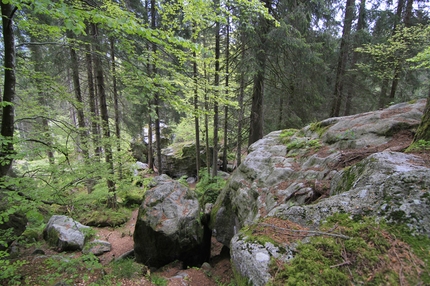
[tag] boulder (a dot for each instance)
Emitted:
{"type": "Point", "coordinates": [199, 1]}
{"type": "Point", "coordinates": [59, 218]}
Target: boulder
{"type": "Point", "coordinates": [252, 258]}
{"type": "Point", "coordinates": [179, 159]}
{"type": "Point", "coordinates": [64, 233]}
{"type": "Point", "coordinates": [349, 164]}
{"type": "Point", "coordinates": [295, 170]}
{"type": "Point", "coordinates": [168, 226]}
{"type": "Point", "coordinates": [97, 247]}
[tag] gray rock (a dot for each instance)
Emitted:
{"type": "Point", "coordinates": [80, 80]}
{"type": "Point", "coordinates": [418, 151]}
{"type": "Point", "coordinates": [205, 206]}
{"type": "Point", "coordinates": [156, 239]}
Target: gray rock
{"type": "Point", "coordinates": [273, 179]}
{"type": "Point", "coordinates": [391, 185]}
{"type": "Point", "coordinates": [97, 247]}
{"type": "Point", "coordinates": [64, 233]}
{"type": "Point", "coordinates": [279, 179]}
{"type": "Point", "coordinates": [179, 159]}
{"type": "Point", "coordinates": [168, 227]}
{"type": "Point", "coordinates": [251, 259]}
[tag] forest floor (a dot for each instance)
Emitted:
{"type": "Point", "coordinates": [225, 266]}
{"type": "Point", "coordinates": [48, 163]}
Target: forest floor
{"type": "Point", "coordinates": [63, 269]}
{"type": "Point", "coordinates": [69, 270]}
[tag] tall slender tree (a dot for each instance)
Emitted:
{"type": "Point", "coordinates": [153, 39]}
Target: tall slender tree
{"type": "Point", "coordinates": [261, 37]}
{"type": "Point", "coordinates": [343, 58]}
{"type": "Point", "coordinates": [7, 103]}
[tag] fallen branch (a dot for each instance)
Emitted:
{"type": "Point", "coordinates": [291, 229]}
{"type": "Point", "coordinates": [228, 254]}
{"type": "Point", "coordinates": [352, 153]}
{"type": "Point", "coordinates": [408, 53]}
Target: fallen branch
{"type": "Point", "coordinates": [312, 232]}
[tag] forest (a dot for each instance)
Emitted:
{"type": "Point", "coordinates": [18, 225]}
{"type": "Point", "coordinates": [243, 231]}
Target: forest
{"type": "Point", "coordinates": [85, 80]}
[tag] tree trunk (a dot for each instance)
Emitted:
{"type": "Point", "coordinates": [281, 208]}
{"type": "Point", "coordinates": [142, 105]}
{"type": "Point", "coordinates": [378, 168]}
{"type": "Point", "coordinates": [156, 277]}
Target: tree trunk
{"type": "Point", "coordinates": [398, 67]}
{"type": "Point", "coordinates": [196, 114]}
{"type": "Point", "coordinates": [240, 102]}
{"type": "Point", "coordinates": [355, 55]}
{"type": "Point", "coordinates": [112, 202]}
{"type": "Point", "coordinates": [423, 131]}
{"type": "Point", "coordinates": [7, 123]}
{"type": "Point", "coordinates": [208, 157]}
{"type": "Point", "coordinates": [216, 84]}
{"type": "Point", "coordinates": [92, 97]}
{"type": "Point", "coordinates": [116, 107]}
{"type": "Point", "coordinates": [157, 99]}
{"type": "Point", "coordinates": [343, 58]}
{"type": "Point", "coordinates": [227, 77]}
{"type": "Point", "coordinates": [80, 103]}
{"type": "Point", "coordinates": [256, 117]}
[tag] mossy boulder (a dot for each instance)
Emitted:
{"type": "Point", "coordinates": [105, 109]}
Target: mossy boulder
{"type": "Point", "coordinates": [64, 233]}
{"type": "Point", "coordinates": [179, 159]}
{"type": "Point", "coordinates": [168, 226]}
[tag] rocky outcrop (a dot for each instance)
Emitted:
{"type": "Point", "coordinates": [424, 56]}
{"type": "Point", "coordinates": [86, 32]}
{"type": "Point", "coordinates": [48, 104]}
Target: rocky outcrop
{"type": "Point", "coordinates": [347, 164]}
{"type": "Point", "coordinates": [64, 233]}
{"type": "Point", "coordinates": [168, 226]}
{"type": "Point", "coordinates": [179, 159]}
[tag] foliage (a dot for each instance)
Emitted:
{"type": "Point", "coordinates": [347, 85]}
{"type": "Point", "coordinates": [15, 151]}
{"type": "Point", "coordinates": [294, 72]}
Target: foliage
{"type": "Point", "coordinates": [375, 253]}
{"type": "Point", "coordinates": [208, 188]}
{"type": "Point", "coordinates": [126, 268]}
{"type": "Point", "coordinates": [157, 280]}
{"type": "Point", "coordinates": [70, 268]}
{"type": "Point", "coordinates": [420, 145]}
{"type": "Point", "coordinates": [9, 271]}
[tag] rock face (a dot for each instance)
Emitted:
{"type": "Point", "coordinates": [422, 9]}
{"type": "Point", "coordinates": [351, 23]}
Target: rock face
{"type": "Point", "coordinates": [168, 226]}
{"type": "Point", "coordinates": [65, 233]}
{"type": "Point", "coordinates": [179, 160]}
{"type": "Point", "coordinates": [345, 164]}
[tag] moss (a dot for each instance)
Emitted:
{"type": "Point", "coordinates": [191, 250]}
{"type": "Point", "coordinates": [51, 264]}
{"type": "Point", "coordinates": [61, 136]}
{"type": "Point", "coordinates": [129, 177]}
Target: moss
{"type": "Point", "coordinates": [366, 258]}
{"type": "Point", "coordinates": [420, 145]}
{"type": "Point", "coordinates": [286, 135]}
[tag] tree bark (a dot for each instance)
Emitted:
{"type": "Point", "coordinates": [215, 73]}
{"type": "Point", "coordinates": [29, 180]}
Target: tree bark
{"type": "Point", "coordinates": [355, 56]}
{"type": "Point", "coordinates": [240, 101]}
{"type": "Point", "coordinates": [7, 124]}
{"type": "Point", "coordinates": [157, 99]}
{"type": "Point", "coordinates": [80, 103]}
{"type": "Point", "coordinates": [196, 114]}
{"type": "Point", "coordinates": [216, 84]}
{"type": "Point", "coordinates": [227, 77]}
{"type": "Point", "coordinates": [112, 202]}
{"type": "Point", "coordinates": [423, 131]}
{"type": "Point", "coordinates": [92, 96]}
{"type": "Point", "coordinates": [256, 117]}
{"type": "Point", "coordinates": [116, 107]}
{"type": "Point", "coordinates": [343, 58]}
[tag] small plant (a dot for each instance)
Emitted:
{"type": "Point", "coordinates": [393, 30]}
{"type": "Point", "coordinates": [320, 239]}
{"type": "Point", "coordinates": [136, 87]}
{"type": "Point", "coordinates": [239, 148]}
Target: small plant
{"type": "Point", "coordinates": [208, 188]}
{"type": "Point", "coordinates": [420, 145]}
{"type": "Point", "coordinates": [158, 280]}
{"type": "Point", "coordinates": [318, 128]}
{"type": "Point", "coordinates": [126, 268]}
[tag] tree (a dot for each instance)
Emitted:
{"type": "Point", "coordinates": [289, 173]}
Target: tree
{"type": "Point", "coordinates": [112, 201]}
{"type": "Point", "coordinates": [7, 103]}
{"type": "Point", "coordinates": [256, 118]}
{"type": "Point", "coordinates": [343, 57]}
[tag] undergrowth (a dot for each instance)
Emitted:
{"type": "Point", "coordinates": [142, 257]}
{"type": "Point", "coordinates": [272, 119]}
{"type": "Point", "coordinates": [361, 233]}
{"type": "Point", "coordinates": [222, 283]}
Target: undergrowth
{"type": "Point", "coordinates": [374, 254]}
{"type": "Point", "coordinates": [208, 188]}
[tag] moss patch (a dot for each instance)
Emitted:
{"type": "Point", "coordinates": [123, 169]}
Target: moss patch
{"type": "Point", "coordinates": [375, 254]}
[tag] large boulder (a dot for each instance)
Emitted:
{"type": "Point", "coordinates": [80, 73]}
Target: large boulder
{"type": "Point", "coordinates": [168, 226]}
{"type": "Point", "coordinates": [179, 159]}
{"type": "Point", "coordinates": [64, 233]}
{"type": "Point", "coordinates": [347, 164]}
